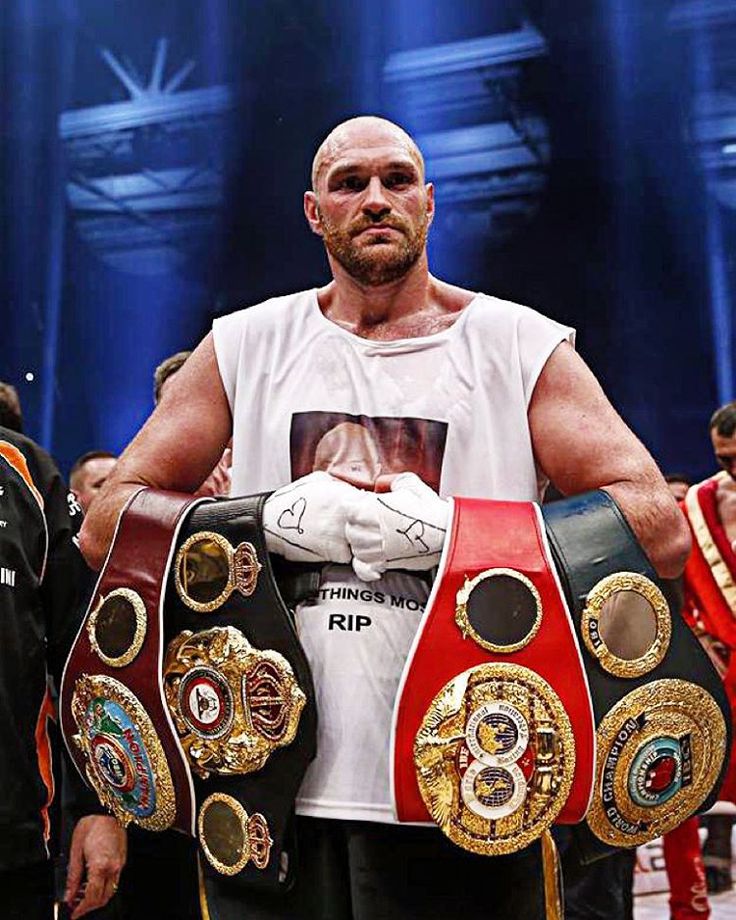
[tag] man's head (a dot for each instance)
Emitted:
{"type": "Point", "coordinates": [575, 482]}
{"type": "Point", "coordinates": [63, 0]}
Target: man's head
{"type": "Point", "coordinates": [369, 201]}
{"type": "Point", "coordinates": [678, 484]}
{"type": "Point", "coordinates": [723, 437]}
{"type": "Point", "coordinates": [166, 369]}
{"type": "Point", "coordinates": [89, 473]}
{"type": "Point", "coordinates": [10, 412]}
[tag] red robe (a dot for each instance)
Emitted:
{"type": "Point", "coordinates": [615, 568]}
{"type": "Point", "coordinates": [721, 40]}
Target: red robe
{"type": "Point", "coordinates": [710, 595]}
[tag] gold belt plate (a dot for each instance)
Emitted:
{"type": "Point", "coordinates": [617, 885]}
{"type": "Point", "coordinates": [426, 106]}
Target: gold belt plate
{"type": "Point", "coordinates": [124, 758]}
{"type": "Point", "coordinates": [660, 750]}
{"type": "Point", "coordinates": [233, 705]}
{"type": "Point", "coordinates": [495, 757]}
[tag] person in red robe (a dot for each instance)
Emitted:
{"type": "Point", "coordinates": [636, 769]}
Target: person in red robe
{"type": "Point", "coordinates": [710, 605]}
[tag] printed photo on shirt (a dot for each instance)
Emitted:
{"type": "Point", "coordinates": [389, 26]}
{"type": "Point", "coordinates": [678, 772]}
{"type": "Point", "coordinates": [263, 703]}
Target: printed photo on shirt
{"type": "Point", "coordinates": [367, 451]}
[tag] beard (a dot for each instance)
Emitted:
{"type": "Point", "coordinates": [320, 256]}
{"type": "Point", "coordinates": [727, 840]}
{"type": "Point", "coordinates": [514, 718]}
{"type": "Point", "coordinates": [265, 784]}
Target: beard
{"type": "Point", "coordinates": [376, 262]}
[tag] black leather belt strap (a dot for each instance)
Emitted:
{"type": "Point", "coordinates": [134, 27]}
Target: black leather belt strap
{"type": "Point", "coordinates": [591, 540]}
{"type": "Point", "coordinates": [267, 624]}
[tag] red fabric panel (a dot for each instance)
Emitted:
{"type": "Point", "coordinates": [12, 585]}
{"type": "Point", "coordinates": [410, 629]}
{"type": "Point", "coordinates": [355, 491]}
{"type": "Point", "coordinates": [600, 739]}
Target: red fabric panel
{"type": "Point", "coordinates": [489, 534]}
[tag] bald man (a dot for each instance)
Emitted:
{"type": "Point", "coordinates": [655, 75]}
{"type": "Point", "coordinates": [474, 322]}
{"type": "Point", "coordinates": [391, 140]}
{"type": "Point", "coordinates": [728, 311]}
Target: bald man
{"type": "Point", "coordinates": [474, 394]}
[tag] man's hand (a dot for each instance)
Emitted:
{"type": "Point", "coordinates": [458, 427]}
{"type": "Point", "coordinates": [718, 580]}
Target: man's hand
{"type": "Point", "coordinates": [305, 521]}
{"type": "Point", "coordinates": [401, 529]}
{"type": "Point", "coordinates": [97, 854]}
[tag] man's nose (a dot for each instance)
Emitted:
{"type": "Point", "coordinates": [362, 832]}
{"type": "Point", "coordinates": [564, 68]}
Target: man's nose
{"type": "Point", "coordinates": [374, 202]}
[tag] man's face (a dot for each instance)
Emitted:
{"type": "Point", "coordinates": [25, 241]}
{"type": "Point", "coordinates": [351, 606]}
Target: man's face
{"type": "Point", "coordinates": [678, 489]}
{"type": "Point", "coordinates": [372, 207]}
{"type": "Point", "coordinates": [90, 479]}
{"type": "Point", "coordinates": [725, 451]}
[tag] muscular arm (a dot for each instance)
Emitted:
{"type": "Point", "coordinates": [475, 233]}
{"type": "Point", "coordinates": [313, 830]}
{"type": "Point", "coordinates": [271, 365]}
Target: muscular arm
{"type": "Point", "coordinates": [176, 449]}
{"type": "Point", "coordinates": [581, 443]}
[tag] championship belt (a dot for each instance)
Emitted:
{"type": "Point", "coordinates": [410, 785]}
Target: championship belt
{"type": "Point", "coordinates": [662, 716]}
{"type": "Point", "coordinates": [493, 726]}
{"type": "Point", "coordinates": [114, 715]}
{"type": "Point", "coordinates": [551, 681]}
{"type": "Point", "coordinates": [187, 701]}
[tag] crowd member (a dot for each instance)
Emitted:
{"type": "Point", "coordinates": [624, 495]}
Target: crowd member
{"type": "Point", "coordinates": [678, 484]}
{"type": "Point", "coordinates": [165, 370]}
{"type": "Point", "coordinates": [217, 482]}
{"type": "Point", "coordinates": [605, 889]}
{"type": "Point", "coordinates": [683, 856]}
{"type": "Point", "coordinates": [11, 415]}
{"type": "Point", "coordinates": [474, 395]}
{"type": "Point", "coordinates": [88, 474]}
{"type": "Point", "coordinates": [42, 583]}
{"type": "Point", "coordinates": [710, 606]}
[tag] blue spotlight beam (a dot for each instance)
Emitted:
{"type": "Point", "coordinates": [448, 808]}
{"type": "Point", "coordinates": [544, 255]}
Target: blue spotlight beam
{"type": "Point", "coordinates": [718, 274]}
{"type": "Point", "coordinates": [55, 259]}
{"type": "Point", "coordinates": [720, 306]}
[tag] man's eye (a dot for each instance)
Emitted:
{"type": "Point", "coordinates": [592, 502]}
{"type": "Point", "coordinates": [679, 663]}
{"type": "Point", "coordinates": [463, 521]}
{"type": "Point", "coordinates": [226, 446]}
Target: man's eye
{"type": "Point", "coordinates": [396, 179]}
{"type": "Point", "coordinates": [352, 183]}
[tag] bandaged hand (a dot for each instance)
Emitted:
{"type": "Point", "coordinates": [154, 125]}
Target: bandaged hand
{"type": "Point", "coordinates": [401, 529]}
{"type": "Point", "coordinates": [305, 521]}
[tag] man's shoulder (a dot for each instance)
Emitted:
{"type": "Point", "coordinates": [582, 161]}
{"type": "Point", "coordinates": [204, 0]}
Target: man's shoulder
{"type": "Point", "coordinates": [710, 483]}
{"type": "Point", "coordinates": [40, 464]}
{"type": "Point", "coordinates": [20, 441]}
{"type": "Point", "coordinates": [498, 313]}
{"type": "Point", "coordinates": [493, 305]}
{"type": "Point", "coordinates": [267, 312]}
{"type": "Point", "coordinates": [705, 495]}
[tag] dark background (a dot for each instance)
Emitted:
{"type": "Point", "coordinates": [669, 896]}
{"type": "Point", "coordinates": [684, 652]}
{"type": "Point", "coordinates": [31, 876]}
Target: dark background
{"type": "Point", "coordinates": [583, 153]}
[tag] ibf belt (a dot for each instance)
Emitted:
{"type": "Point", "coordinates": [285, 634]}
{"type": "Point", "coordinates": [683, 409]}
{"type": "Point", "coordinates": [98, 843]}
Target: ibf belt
{"type": "Point", "coordinates": [662, 717]}
{"type": "Point", "coordinates": [114, 713]}
{"type": "Point", "coordinates": [493, 726]}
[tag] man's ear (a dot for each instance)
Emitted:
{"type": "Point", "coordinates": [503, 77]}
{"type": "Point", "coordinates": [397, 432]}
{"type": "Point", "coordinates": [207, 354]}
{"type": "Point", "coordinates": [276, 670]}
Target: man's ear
{"type": "Point", "coordinates": [430, 202]}
{"type": "Point", "coordinates": [311, 212]}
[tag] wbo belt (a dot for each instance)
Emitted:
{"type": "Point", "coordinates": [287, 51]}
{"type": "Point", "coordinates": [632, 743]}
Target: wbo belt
{"type": "Point", "coordinates": [552, 682]}
{"type": "Point", "coordinates": [187, 701]}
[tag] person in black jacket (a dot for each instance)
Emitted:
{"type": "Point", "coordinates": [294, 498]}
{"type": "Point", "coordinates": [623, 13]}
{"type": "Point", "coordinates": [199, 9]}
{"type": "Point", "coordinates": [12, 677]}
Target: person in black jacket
{"type": "Point", "coordinates": [43, 580]}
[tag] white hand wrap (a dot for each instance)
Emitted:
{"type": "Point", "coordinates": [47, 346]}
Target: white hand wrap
{"type": "Point", "coordinates": [401, 529]}
{"type": "Point", "coordinates": [305, 521]}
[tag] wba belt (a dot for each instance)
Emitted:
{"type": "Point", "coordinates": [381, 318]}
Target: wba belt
{"type": "Point", "coordinates": [187, 701]}
{"type": "Point", "coordinates": [552, 685]}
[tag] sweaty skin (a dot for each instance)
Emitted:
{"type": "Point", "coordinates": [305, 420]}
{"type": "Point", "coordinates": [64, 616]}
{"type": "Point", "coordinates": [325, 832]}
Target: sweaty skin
{"type": "Point", "coordinates": [372, 207]}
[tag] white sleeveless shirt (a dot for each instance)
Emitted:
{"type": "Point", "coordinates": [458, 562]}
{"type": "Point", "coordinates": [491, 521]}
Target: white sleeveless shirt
{"type": "Point", "coordinates": [307, 394]}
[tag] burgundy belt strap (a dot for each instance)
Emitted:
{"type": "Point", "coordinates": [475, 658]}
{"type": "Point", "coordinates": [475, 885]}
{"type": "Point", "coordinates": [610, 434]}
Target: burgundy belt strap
{"type": "Point", "coordinates": [114, 715]}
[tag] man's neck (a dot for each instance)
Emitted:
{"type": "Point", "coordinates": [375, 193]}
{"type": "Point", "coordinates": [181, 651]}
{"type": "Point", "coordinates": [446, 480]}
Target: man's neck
{"type": "Point", "coordinates": [416, 304]}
